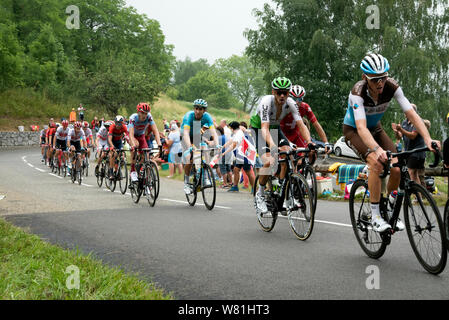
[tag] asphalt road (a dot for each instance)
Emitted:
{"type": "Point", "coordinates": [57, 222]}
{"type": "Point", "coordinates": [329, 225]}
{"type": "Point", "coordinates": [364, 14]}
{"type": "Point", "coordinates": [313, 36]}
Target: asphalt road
{"type": "Point", "coordinates": [198, 254]}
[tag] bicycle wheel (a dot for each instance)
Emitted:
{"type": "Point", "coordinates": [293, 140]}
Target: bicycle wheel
{"type": "Point", "coordinates": [107, 182]}
{"type": "Point", "coordinates": [156, 177]}
{"type": "Point", "coordinates": [266, 220]}
{"type": "Point", "coordinates": [360, 212]}
{"type": "Point", "coordinates": [191, 198]}
{"type": "Point", "coordinates": [86, 165]}
{"type": "Point", "coordinates": [100, 174]}
{"type": "Point", "coordinates": [310, 176]}
{"type": "Point", "coordinates": [446, 223]}
{"type": "Point", "coordinates": [425, 229]}
{"type": "Point", "coordinates": [122, 176]}
{"type": "Point", "coordinates": [150, 184]}
{"type": "Point", "coordinates": [73, 172]}
{"type": "Point", "coordinates": [79, 171]}
{"type": "Point", "coordinates": [135, 190]}
{"type": "Point", "coordinates": [301, 215]}
{"type": "Point", "coordinates": [208, 188]}
{"type": "Point", "coordinates": [64, 169]}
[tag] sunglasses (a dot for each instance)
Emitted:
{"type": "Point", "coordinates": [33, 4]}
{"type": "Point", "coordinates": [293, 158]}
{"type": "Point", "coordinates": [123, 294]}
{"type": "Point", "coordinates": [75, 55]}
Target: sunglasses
{"type": "Point", "coordinates": [281, 92]}
{"type": "Point", "coordinates": [376, 79]}
{"type": "Point", "coordinates": [297, 99]}
{"type": "Point", "coordinates": [200, 108]}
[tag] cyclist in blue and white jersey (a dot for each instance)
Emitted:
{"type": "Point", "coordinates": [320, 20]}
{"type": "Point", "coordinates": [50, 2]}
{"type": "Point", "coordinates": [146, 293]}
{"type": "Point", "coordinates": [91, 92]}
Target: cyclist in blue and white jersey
{"type": "Point", "coordinates": [368, 101]}
{"type": "Point", "coordinates": [194, 124]}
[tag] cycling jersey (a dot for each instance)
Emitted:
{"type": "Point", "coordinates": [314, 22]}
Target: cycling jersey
{"type": "Point", "coordinates": [267, 110]}
{"type": "Point", "coordinates": [76, 137]}
{"type": "Point", "coordinates": [103, 134]}
{"type": "Point", "coordinates": [140, 126]}
{"type": "Point", "coordinates": [61, 133]}
{"type": "Point", "coordinates": [362, 106]}
{"type": "Point", "coordinates": [43, 133]}
{"type": "Point", "coordinates": [288, 124]}
{"type": "Point", "coordinates": [116, 133]}
{"type": "Point", "coordinates": [189, 120]}
{"type": "Point", "coordinates": [51, 132]}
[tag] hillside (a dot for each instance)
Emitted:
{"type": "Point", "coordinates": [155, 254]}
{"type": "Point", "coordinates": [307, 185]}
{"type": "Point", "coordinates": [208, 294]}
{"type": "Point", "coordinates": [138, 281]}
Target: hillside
{"type": "Point", "coordinates": [25, 107]}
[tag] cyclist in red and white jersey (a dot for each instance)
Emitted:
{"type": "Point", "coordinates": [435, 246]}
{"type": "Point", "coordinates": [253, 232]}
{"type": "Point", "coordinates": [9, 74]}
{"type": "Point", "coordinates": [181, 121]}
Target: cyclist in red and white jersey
{"type": "Point", "coordinates": [76, 140]}
{"type": "Point", "coordinates": [43, 141]}
{"type": "Point", "coordinates": [49, 140]}
{"type": "Point", "coordinates": [288, 124]}
{"type": "Point", "coordinates": [89, 137]}
{"type": "Point", "coordinates": [117, 132]}
{"type": "Point", "coordinates": [60, 141]}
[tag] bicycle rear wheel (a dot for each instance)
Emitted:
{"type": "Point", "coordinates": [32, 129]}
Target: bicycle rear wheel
{"type": "Point", "coordinates": [100, 174]}
{"type": "Point", "coordinates": [208, 188]}
{"type": "Point", "coordinates": [267, 220]}
{"type": "Point", "coordinates": [310, 176]}
{"type": "Point", "coordinates": [425, 229]}
{"type": "Point", "coordinates": [79, 171]}
{"type": "Point", "coordinates": [301, 215]}
{"type": "Point", "coordinates": [360, 212]}
{"type": "Point", "coordinates": [107, 182]}
{"type": "Point", "coordinates": [156, 178]}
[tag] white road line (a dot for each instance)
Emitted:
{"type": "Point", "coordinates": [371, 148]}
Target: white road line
{"type": "Point", "coordinates": [40, 169]}
{"type": "Point", "coordinates": [30, 165]}
{"type": "Point", "coordinates": [54, 175]}
{"type": "Point", "coordinates": [325, 222]}
{"type": "Point", "coordinates": [86, 185]}
{"type": "Point", "coordinates": [201, 204]}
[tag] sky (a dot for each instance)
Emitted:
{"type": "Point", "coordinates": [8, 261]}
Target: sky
{"type": "Point", "coordinates": [209, 29]}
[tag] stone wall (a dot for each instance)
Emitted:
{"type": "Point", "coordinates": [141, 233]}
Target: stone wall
{"type": "Point", "coordinates": [29, 138]}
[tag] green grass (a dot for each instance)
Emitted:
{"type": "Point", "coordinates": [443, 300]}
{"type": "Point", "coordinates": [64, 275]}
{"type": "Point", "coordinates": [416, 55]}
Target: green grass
{"type": "Point", "coordinates": [31, 269]}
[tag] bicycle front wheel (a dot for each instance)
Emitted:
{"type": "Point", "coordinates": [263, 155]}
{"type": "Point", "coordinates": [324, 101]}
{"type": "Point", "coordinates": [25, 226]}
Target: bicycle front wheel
{"type": "Point", "coordinates": [122, 176]}
{"type": "Point", "coordinates": [360, 212]}
{"type": "Point", "coordinates": [267, 220]}
{"type": "Point", "coordinates": [425, 229]}
{"type": "Point", "coordinates": [301, 215]}
{"type": "Point", "coordinates": [100, 175]}
{"type": "Point", "coordinates": [310, 176]}
{"type": "Point", "coordinates": [150, 185]}
{"type": "Point", "coordinates": [191, 198]}
{"type": "Point", "coordinates": [446, 223]}
{"type": "Point", "coordinates": [208, 187]}
{"type": "Point", "coordinates": [156, 178]}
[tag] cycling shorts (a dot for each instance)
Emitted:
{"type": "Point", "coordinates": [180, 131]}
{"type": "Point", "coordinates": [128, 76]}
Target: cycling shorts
{"type": "Point", "coordinates": [354, 141]}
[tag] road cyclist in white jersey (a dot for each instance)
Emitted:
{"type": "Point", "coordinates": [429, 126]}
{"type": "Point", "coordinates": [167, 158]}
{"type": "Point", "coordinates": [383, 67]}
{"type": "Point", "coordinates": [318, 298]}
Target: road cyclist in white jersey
{"type": "Point", "coordinates": [76, 142]}
{"type": "Point", "coordinates": [368, 101]}
{"type": "Point", "coordinates": [102, 144]}
{"type": "Point", "coordinates": [271, 110]}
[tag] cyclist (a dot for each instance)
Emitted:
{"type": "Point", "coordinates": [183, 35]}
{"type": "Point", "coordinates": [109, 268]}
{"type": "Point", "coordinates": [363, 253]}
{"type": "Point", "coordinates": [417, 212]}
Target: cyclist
{"type": "Point", "coordinates": [89, 137]}
{"type": "Point", "coordinates": [368, 101]}
{"type": "Point", "coordinates": [102, 143]}
{"type": "Point", "coordinates": [138, 123]}
{"type": "Point", "coordinates": [117, 132]}
{"type": "Point", "coordinates": [288, 124]}
{"type": "Point", "coordinates": [195, 124]}
{"type": "Point", "coordinates": [49, 140]}
{"type": "Point", "coordinates": [76, 141]}
{"type": "Point", "coordinates": [271, 111]}
{"type": "Point", "coordinates": [43, 142]}
{"type": "Point", "coordinates": [60, 141]}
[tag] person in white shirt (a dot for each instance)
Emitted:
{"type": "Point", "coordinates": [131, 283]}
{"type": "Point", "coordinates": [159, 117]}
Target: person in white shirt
{"type": "Point", "coordinates": [233, 145]}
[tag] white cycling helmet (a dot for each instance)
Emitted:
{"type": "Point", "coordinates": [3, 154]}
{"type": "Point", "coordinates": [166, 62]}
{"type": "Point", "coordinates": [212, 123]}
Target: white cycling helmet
{"type": "Point", "coordinates": [119, 119]}
{"type": "Point", "coordinates": [297, 92]}
{"type": "Point", "coordinates": [374, 64]}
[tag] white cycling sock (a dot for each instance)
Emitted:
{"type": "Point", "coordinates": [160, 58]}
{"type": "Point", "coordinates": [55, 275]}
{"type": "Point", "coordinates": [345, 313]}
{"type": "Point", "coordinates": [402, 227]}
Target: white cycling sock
{"type": "Point", "coordinates": [375, 211]}
{"type": "Point", "coordinates": [261, 190]}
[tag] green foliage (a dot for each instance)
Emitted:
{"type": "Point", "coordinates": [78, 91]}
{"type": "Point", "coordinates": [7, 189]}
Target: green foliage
{"type": "Point", "coordinates": [245, 80]}
{"type": "Point", "coordinates": [115, 55]}
{"type": "Point", "coordinates": [319, 44]}
{"type": "Point", "coordinates": [184, 70]}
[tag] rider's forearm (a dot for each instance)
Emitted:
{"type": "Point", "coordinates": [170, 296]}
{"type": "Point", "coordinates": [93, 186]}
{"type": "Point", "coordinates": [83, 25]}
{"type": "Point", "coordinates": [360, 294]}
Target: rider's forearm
{"type": "Point", "coordinates": [320, 131]}
{"type": "Point", "coordinates": [367, 138]}
{"type": "Point", "coordinates": [304, 131]}
{"type": "Point", "coordinates": [416, 120]}
{"type": "Point", "coordinates": [267, 137]}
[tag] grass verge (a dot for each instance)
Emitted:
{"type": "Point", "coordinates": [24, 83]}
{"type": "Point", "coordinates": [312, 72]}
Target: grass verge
{"type": "Point", "coordinates": [32, 269]}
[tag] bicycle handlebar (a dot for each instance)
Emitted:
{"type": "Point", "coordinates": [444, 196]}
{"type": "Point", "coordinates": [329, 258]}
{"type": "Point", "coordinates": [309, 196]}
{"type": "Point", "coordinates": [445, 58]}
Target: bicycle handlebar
{"type": "Point", "coordinates": [406, 154]}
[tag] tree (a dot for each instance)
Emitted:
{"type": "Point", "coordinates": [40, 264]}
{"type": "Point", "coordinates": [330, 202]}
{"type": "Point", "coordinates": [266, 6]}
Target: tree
{"type": "Point", "coordinates": [186, 69]}
{"type": "Point", "coordinates": [244, 79]}
{"type": "Point", "coordinates": [319, 44]}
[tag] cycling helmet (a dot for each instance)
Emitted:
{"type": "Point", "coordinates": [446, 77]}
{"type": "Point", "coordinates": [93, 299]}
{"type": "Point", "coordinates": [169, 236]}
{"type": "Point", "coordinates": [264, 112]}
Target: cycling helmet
{"type": "Point", "coordinates": [281, 83]}
{"type": "Point", "coordinates": [143, 107]}
{"type": "Point", "coordinates": [297, 92]}
{"type": "Point", "coordinates": [65, 123]}
{"type": "Point", "coordinates": [86, 124]}
{"type": "Point", "coordinates": [78, 124]}
{"type": "Point", "coordinates": [58, 124]}
{"type": "Point", "coordinates": [374, 64]}
{"type": "Point", "coordinates": [45, 127]}
{"type": "Point", "coordinates": [108, 123]}
{"type": "Point", "coordinates": [200, 103]}
{"type": "Point", "coordinates": [119, 119]}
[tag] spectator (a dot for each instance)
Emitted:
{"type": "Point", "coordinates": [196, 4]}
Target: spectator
{"type": "Point", "coordinates": [72, 116]}
{"type": "Point", "coordinates": [224, 163]}
{"type": "Point", "coordinates": [166, 125]}
{"type": "Point", "coordinates": [81, 112]}
{"type": "Point", "coordinates": [174, 144]}
{"type": "Point", "coordinates": [226, 130]}
{"type": "Point", "coordinates": [95, 124]}
{"type": "Point", "coordinates": [234, 144]}
{"type": "Point", "coordinates": [412, 140]}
